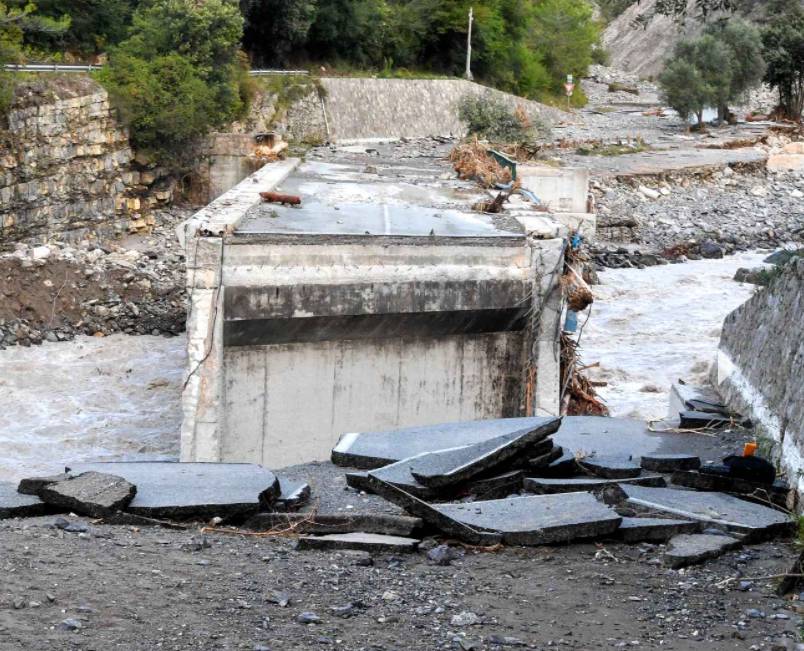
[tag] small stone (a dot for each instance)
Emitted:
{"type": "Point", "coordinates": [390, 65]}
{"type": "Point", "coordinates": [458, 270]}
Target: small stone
{"type": "Point", "coordinates": [308, 618]}
{"type": "Point", "coordinates": [745, 586]}
{"type": "Point", "coordinates": [390, 595]}
{"type": "Point", "coordinates": [442, 555]}
{"type": "Point", "coordinates": [281, 599]}
{"type": "Point", "coordinates": [754, 613]}
{"type": "Point", "coordinates": [465, 618]}
{"type": "Point", "coordinates": [650, 193]}
{"type": "Point", "coordinates": [70, 624]}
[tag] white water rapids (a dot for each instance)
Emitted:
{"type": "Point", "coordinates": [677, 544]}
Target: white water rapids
{"type": "Point", "coordinates": [101, 399]}
{"type": "Point", "coordinates": [650, 327]}
{"type": "Point", "coordinates": [117, 397]}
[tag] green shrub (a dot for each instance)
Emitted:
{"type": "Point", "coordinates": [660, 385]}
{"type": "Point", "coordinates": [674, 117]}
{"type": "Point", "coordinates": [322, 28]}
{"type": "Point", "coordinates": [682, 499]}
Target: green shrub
{"type": "Point", "coordinates": [179, 75]}
{"type": "Point", "coordinates": [489, 117]}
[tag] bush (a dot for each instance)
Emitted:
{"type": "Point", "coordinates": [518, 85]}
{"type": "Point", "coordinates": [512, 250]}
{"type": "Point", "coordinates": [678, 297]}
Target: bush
{"type": "Point", "coordinates": [489, 117]}
{"type": "Point", "coordinates": [178, 75]}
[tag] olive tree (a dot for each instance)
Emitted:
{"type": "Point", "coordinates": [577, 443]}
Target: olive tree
{"type": "Point", "coordinates": [699, 76]}
{"type": "Point", "coordinates": [783, 47]}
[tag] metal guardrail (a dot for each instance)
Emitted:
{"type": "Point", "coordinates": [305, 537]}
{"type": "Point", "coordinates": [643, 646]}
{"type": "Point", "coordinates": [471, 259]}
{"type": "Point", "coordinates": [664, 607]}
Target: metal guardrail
{"type": "Point", "coordinates": [48, 67]}
{"type": "Point", "coordinates": [272, 73]}
{"type": "Point", "coordinates": [59, 67]}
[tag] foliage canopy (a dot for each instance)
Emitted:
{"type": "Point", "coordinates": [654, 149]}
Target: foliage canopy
{"type": "Point", "coordinates": [178, 75]}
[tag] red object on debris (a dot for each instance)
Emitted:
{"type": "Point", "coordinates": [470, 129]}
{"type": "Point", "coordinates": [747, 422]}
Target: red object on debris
{"type": "Point", "coordinates": [275, 197]}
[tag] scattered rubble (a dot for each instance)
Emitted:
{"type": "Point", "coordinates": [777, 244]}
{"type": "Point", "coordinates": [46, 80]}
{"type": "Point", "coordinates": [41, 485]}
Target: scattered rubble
{"type": "Point", "coordinates": [54, 291]}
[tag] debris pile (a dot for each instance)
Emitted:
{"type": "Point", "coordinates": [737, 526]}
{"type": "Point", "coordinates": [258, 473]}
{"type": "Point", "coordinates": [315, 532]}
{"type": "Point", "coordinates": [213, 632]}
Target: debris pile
{"type": "Point", "coordinates": [514, 481]}
{"type": "Point", "coordinates": [472, 161]}
{"type": "Point", "coordinates": [534, 481]}
{"type": "Point", "coordinates": [54, 291]}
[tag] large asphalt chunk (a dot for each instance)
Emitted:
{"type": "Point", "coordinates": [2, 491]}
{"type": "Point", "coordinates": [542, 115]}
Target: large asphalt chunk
{"type": "Point", "coordinates": [369, 450]}
{"type": "Point", "coordinates": [741, 516]}
{"type": "Point", "coordinates": [446, 468]}
{"type": "Point", "coordinates": [430, 514]}
{"type": "Point", "coordinates": [543, 486]}
{"type": "Point", "coordinates": [90, 493]}
{"type": "Point", "coordinates": [537, 519]}
{"type": "Point", "coordinates": [610, 467]}
{"type": "Point", "coordinates": [16, 505]}
{"type": "Point", "coordinates": [670, 462]}
{"type": "Point", "coordinates": [687, 549]}
{"type": "Point", "coordinates": [169, 490]}
{"type": "Point", "coordinates": [399, 474]}
{"type": "Point", "coordinates": [634, 530]}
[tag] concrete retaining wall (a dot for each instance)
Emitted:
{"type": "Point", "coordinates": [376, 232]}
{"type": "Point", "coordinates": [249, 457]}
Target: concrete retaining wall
{"type": "Point", "coordinates": [760, 366]}
{"type": "Point", "coordinates": [365, 109]}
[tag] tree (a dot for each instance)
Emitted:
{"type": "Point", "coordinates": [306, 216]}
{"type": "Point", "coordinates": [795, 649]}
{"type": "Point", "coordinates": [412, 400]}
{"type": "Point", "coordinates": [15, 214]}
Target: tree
{"type": "Point", "coordinates": [178, 75]}
{"type": "Point", "coordinates": [94, 25]}
{"type": "Point", "coordinates": [783, 48]}
{"type": "Point", "coordinates": [564, 34]}
{"type": "Point", "coordinates": [699, 76]}
{"type": "Point", "coordinates": [284, 24]}
{"type": "Point", "coordinates": [746, 63]}
{"type": "Point", "coordinates": [16, 19]}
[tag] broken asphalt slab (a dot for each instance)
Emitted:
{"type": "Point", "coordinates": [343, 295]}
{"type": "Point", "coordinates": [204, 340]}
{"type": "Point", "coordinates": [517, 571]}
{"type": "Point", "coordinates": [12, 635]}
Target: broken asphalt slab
{"type": "Point", "coordinates": [359, 541]}
{"type": "Point", "coordinates": [431, 515]}
{"type": "Point", "coordinates": [670, 462]}
{"type": "Point", "coordinates": [446, 468]}
{"type": "Point", "coordinates": [537, 519]}
{"type": "Point", "coordinates": [633, 530]}
{"type": "Point", "coordinates": [546, 486]}
{"type": "Point", "coordinates": [610, 467]}
{"type": "Point", "coordinates": [688, 549]}
{"type": "Point", "coordinates": [754, 520]}
{"type": "Point", "coordinates": [16, 505]}
{"type": "Point", "coordinates": [32, 485]}
{"type": "Point", "coordinates": [584, 435]}
{"type": "Point", "coordinates": [95, 494]}
{"type": "Point", "coordinates": [292, 496]}
{"type": "Point", "coordinates": [170, 490]}
{"type": "Point", "coordinates": [326, 523]}
{"type": "Point", "coordinates": [711, 482]}
{"type": "Point", "coordinates": [369, 450]}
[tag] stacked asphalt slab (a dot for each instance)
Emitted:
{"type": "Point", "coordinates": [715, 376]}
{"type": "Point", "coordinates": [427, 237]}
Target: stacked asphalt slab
{"type": "Point", "coordinates": [155, 491]}
{"type": "Point", "coordinates": [535, 481]}
{"type": "Point", "coordinates": [515, 481]}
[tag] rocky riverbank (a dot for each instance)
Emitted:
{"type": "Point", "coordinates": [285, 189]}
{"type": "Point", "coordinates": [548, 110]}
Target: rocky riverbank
{"type": "Point", "coordinates": [54, 291]}
{"type": "Point", "coordinates": [649, 221]}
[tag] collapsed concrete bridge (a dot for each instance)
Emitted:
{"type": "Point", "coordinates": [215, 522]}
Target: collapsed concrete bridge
{"type": "Point", "coordinates": [382, 302]}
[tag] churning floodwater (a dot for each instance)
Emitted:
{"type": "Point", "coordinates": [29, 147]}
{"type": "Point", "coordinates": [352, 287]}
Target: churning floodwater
{"type": "Point", "coordinates": [118, 397]}
{"type": "Point", "coordinates": [651, 327]}
{"type": "Point", "coordinates": [107, 398]}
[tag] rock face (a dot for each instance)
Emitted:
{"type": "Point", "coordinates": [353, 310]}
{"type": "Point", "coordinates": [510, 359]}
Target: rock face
{"type": "Point", "coordinates": [760, 362]}
{"type": "Point", "coordinates": [65, 163]}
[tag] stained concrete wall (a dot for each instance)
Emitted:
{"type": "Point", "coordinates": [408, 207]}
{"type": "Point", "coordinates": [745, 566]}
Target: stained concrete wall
{"type": "Point", "coordinates": [760, 365]}
{"type": "Point", "coordinates": [287, 403]}
{"type": "Point", "coordinates": [364, 109]}
{"type": "Point", "coordinates": [294, 340]}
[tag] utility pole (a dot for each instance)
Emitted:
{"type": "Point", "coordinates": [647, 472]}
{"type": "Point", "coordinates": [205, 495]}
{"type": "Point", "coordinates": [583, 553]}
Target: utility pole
{"type": "Point", "coordinates": [469, 47]}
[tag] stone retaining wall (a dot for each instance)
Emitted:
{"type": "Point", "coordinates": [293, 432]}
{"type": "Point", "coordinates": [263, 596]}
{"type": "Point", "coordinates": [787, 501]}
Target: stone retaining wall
{"type": "Point", "coordinates": [760, 369]}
